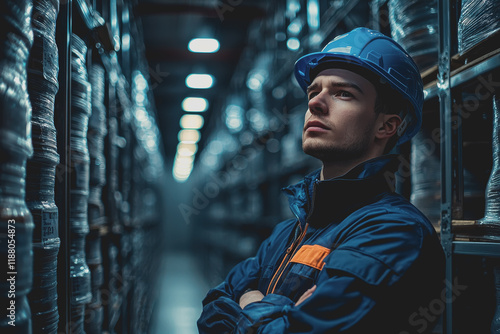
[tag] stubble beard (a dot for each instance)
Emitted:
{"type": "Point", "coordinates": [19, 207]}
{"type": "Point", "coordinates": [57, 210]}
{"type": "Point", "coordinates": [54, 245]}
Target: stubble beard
{"type": "Point", "coordinates": [329, 152]}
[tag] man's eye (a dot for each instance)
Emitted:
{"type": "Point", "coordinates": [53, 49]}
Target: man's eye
{"type": "Point", "coordinates": [344, 93]}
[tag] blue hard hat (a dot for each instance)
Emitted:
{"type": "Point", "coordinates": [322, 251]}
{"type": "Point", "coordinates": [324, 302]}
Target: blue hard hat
{"type": "Point", "coordinates": [373, 51]}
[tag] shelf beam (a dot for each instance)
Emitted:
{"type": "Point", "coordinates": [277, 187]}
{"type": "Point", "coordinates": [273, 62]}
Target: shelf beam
{"type": "Point", "coordinates": [488, 249]}
{"type": "Point", "coordinates": [96, 24]}
{"type": "Point", "coordinates": [62, 186]}
{"type": "Point", "coordinates": [444, 92]}
{"type": "Point", "coordinates": [466, 73]}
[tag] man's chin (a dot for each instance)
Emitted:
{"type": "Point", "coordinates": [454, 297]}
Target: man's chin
{"type": "Point", "coordinates": [321, 153]}
{"type": "Point", "coordinates": [331, 154]}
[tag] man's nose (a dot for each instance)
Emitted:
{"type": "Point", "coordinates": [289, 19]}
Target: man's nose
{"type": "Point", "coordinates": [317, 105]}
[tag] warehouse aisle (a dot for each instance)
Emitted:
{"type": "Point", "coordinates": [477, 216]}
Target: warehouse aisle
{"type": "Point", "coordinates": [182, 289]}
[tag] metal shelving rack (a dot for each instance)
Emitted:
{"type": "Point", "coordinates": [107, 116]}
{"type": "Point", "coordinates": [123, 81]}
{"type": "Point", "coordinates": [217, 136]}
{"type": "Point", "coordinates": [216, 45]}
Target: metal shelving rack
{"type": "Point", "coordinates": [63, 180]}
{"type": "Point", "coordinates": [452, 188]}
{"type": "Point", "coordinates": [97, 30]}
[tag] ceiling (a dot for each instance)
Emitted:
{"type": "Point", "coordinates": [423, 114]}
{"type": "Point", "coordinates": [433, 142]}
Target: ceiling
{"type": "Point", "coordinates": [168, 26]}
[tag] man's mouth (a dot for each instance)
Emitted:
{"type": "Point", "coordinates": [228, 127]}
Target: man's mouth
{"type": "Point", "coordinates": [315, 126]}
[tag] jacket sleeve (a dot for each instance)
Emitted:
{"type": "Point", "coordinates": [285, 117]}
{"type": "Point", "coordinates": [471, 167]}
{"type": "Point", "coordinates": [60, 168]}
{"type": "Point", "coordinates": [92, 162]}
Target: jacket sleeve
{"type": "Point", "coordinates": [334, 307]}
{"type": "Point", "coordinates": [221, 307]}
{"type": "Point", "coordinates": [355, 290]}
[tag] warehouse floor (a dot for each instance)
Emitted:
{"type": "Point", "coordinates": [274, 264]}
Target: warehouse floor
{"type": "Point", "coordinates": [182, 288]}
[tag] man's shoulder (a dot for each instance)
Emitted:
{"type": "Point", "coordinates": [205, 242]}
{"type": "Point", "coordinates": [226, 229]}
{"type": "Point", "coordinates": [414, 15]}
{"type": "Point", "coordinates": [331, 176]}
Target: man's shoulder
{"type": "Point", "coordinates": [391, 216]}
{"type": "Point", "coordinates": [394, 207]}
{"type": "Point", "coordinates": [391, 231]}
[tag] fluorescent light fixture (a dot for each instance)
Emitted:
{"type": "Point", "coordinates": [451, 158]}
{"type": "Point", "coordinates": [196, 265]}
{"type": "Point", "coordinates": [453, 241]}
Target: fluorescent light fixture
{"type": "Point", "coordinates": [194, 122]}
{"type": "Point", "coordinates": [256, 80]}
{"type": "Point", "coordinates": [195, 104]}
{"type": "Point", "coordinates": [126, 41]}
{"type": "Point", "coordinates": [140, 98]}
{"type": "Point", "coordinates": [140, 81]}
{"type": "Point", "coordinates": [295, 27]}
{"type": "Point", "coordinates": [180, 178]}
{"type": "Point", "coordinates": [234, 118]}
{"type": "Point", "coordinates": [183, 161]}
{"type": "Point", "coordinates": [186, 150]}
{"type": "Point", "coordinates": [292, 7]}
{"type": "Point", "coordinates": [315, 38]}
{"type": "Point", "coordinates": [313, 14]}
{"type": "Point", "coordinates": [189, 136]}
{"type": "Point", "coordinates": [183, 166]}
{"type": "Point", "coordinates": [204, 45]}
{"type": "Point", "coordinates": [200, 81]}
{"type": "Point", "coordinates": [293, 44]}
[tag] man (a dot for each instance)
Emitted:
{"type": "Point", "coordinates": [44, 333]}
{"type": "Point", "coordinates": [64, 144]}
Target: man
{"type": "Point", "coordinates": [358, 258]}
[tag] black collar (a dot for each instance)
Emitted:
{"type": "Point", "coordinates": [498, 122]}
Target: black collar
{"type": "Point", "coordinates": [335, 199]}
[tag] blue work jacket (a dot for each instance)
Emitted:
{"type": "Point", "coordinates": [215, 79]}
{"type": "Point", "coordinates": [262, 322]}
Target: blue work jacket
{"type": "Point", "coordinates": [375, 259]}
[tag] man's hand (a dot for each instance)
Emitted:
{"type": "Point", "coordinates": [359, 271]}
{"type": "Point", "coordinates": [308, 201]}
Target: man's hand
{"type": "Point", "coordinates": [250, 297]}
{"type": "Point", "coordinates": [306, 295]}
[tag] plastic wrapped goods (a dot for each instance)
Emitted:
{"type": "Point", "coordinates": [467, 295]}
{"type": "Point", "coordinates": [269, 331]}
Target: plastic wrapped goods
{"type": "Point", "coordinates": [426, 177]}
{"type": "Point", "coordinates": [478, 20]}
{"type": "Point", "coordinates": [16, 222]}
{"type": "Point", "coordinates": [414, 25]}
{"type": "Point", "coordinates": [95, 138]}
{"type": "Point", "coordinates": [492, 195]}
{"type": "Point", "coordinates": [80, 160]}
{"type": "Point", "coordinates": [43, 69]}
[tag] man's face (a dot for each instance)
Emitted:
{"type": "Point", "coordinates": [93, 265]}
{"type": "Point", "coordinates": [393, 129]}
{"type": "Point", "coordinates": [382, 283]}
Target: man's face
{"type": "Point", "coordinates": [340, 121]}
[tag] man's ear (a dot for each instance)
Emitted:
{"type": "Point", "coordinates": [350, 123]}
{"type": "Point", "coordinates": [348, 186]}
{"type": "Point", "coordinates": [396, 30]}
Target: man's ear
{"type": "Point", "coordinates": [388, 125]}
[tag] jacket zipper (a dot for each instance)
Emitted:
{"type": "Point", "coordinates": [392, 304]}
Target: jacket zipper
{"type": "Point", "coordinates": [286, 260]}
{"type": "Point", "coordinates": [293, 247]}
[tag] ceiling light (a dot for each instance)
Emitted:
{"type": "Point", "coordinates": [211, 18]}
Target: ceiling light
{"type": "Point", "coordinates": [201, 81]}
{"type": "Point", "coordinates": [183, 166]}
{"type": "Point", "coordinates": [195, 104]}
{"type": "Point", "coordinates": [256, 80]}
{"type": "Point", "coordinates": [295, 27]}
{"type": "Point", "coordinates": [234, 118]}
{"type": "Point", "coordinates": [186, 150]}
{"type": "Point", "coordinates": [140, 81]}
{"type": "Point", "coordinates": [315, 39]}
{"type": "Point", "coordinates": [204, 45]}
{"type": "Point", "coordinates": [189, 136]}
{"type": "Point", "coordinates": [180, 177]}
{"type": "Point", "coordinates": [293, 6]}
{"type": "Point", "coordinates": [313, 14]}
{"type": "Point", "coordinates": [194, 122]}
{"type": "Point", "coordinates": [184, 161]}
{"type": "Point", "coordinates": [293, 44]}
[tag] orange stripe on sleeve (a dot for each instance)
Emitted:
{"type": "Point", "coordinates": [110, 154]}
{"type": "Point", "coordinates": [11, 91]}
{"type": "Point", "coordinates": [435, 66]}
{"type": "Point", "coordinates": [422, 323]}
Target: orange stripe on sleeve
{"type": "Point", "coordinates": [311, 255]}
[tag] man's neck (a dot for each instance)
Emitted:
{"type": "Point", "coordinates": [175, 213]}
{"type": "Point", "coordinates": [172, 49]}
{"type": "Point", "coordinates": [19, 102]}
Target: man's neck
{"type": "Point", "coordinates": [334, 169]}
